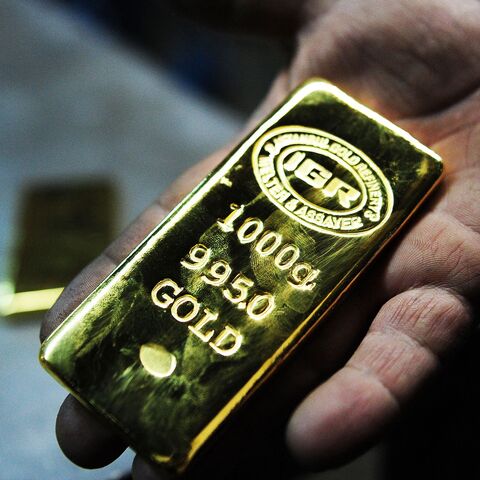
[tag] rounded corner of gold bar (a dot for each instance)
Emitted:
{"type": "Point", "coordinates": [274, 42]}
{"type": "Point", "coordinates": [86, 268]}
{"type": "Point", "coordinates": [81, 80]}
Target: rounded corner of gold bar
{"type": "Point", "coordinates": [317, 82]}
{"type": "Point", "coordinates": [440, 169]}
{"type": "Point", "coordinates": [45, 358]}
{"type": "Point", "coordinates": [171, 463]}
{"type": "Point", "coordinates": [43, 355]}
{"type": "Point", "coordinates": [436, 165]}
{"type": "Point", "coordinates": [439, 162]}
{"type": "Point", "coordinates": [161, 459]}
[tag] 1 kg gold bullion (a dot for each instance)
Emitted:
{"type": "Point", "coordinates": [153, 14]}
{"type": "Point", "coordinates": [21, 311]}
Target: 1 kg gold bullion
{"type": "Point", "coordinates": [215, 298]}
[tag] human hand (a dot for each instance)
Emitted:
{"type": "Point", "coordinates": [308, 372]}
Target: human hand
{"type": "Point", "coordinates": [417, 63]}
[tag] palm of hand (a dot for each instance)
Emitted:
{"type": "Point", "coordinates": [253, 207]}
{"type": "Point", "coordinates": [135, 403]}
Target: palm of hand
{"type": "Point", "coordinates": [418, 65]}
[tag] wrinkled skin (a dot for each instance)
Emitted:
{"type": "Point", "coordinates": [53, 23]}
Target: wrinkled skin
{"type": "Point", "coordinates": [417, 63]}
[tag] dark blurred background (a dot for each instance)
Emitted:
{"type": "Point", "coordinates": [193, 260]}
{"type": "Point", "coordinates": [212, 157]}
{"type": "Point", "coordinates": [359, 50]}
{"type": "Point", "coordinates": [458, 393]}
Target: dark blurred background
{"type": "Point", "coordinates": [233, 69]}
{"type": "Point", "coordinates": [102, 104]}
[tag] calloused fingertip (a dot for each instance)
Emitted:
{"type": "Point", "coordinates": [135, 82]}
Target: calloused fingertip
{"type": "Point", "coordinates": [295, 434]}
{"type": "Point", "coordinates": [84, 439]}
{"type": "Point", "coordinates": [338, 421]}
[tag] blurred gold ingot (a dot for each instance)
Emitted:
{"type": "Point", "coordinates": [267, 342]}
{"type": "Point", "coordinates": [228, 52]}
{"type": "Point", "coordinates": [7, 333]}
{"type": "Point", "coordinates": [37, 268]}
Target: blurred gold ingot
{"type": "Point", "coordinates": [216, 297]}
{"type": "Point", "coordinates": [61, 228]}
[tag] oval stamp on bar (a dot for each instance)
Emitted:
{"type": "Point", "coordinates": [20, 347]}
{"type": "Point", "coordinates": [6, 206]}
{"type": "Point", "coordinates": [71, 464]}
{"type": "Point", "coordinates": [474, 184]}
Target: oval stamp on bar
{"type": "Point", "coordinates": [322, 181]}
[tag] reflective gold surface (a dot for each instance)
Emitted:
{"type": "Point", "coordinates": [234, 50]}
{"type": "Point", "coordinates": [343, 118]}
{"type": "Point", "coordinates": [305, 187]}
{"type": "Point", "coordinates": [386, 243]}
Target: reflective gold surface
{"type": "Point", "coordinates": [224, 288]}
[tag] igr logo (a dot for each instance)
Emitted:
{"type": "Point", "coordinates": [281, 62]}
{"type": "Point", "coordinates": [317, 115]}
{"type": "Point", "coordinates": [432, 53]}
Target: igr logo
{"type": "Point", "coordinates": [318, 176]}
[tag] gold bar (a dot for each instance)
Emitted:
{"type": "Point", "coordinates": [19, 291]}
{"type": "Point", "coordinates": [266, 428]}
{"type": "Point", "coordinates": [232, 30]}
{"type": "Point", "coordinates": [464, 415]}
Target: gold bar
{"type": "Point", "coordinates": [217, 296]}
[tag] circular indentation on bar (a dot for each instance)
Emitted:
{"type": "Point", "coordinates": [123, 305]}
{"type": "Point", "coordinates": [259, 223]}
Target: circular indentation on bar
{"type": "Point", "coordinates": [157, 360]}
